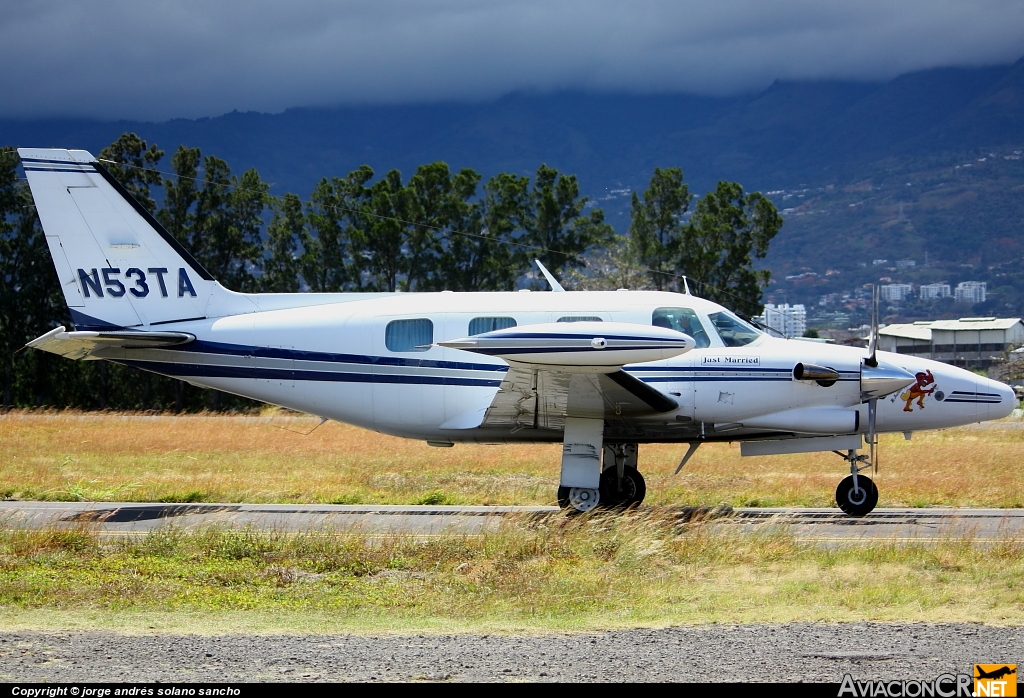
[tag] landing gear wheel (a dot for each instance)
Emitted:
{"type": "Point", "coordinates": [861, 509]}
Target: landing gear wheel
{"type": "Point", "coordinates": [632, 491]}
{"type": "Point", "coordinates": [580, 499]}
{"type": "Point", "coordinates": [857, 502]}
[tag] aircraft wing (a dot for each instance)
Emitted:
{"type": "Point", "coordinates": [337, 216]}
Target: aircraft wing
{"type": "Point", "coordinates": [570, 369]}
{"type": "Point", "coordinates": [531, 398]}
{"type": "Point", "coordinates": [84, 344]}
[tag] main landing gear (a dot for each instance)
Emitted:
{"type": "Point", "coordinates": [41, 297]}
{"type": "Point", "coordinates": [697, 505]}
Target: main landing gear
{"type": "Point", "coordinates": [621, 484]}
{"type": "Point", "coordinates": [857, 494]}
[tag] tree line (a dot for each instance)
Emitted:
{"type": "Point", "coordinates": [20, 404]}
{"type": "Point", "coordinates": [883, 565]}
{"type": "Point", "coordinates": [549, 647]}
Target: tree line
{"type": "Point", "coordinates": [437, 230]}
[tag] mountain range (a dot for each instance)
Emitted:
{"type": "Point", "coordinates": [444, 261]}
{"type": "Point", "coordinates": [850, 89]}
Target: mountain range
{"type": "Point", "coordinates": [879, 166]}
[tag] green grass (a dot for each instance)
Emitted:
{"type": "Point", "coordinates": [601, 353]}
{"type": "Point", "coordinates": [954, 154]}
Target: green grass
{"type": "Point", "coordinates": [536, 575]}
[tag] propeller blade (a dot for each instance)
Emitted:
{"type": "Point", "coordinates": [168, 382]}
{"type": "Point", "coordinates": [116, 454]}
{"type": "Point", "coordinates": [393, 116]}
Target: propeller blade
{"type": "Point", "coordinates": [873, 341]}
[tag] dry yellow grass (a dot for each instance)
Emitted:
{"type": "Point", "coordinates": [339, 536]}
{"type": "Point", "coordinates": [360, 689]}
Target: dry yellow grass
{"type": "Point", "coordinates": [70, 455]}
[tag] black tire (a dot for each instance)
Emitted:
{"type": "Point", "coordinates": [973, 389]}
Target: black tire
{"type": "Point", "coordinates": [563, 498]}
{"type": "Point", "coordinates": [857, 503]}
{"type": "Point", "coordinates": [633, 490]}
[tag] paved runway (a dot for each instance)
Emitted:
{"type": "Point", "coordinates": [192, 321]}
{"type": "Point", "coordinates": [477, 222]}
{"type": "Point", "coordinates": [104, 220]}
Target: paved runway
{"type": "Point", "coordinates": [114, 519]}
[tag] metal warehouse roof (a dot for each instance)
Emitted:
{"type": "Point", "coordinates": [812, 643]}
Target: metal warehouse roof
{"type": "Point", "coordinates": [923, 329]}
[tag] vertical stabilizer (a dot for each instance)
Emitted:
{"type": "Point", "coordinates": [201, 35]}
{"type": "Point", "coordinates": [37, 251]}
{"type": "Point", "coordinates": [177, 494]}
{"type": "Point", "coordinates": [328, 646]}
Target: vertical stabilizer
{"type": "Point", "coordinates": [118, 267]}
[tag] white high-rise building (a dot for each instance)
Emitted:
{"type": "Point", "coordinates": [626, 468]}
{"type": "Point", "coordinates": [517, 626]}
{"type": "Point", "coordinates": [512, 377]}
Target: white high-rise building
{"type": "Point", "coordinates": [930, 292]}
{"type": "Point", "coordinates": [790, 320]}
{"type": "Point", "coordinates": [895, 292]}
{"type": "Point", "coordinates": [971, 292]}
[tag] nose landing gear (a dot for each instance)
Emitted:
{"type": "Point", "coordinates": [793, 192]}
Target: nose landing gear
{"type": "Point", "coordinates": [856, 494]}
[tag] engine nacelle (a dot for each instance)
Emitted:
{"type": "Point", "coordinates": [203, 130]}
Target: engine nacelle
{"type": "Point", "coordinates": [809, 420]}
{"type": "Point", "coordinates": [595, 346]}
{"type": "Point", "coordinates": [822, 375]}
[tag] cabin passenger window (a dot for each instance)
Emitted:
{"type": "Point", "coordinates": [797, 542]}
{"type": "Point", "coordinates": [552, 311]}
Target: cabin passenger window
{"type": "Point", "coordinates": [733, 331]}
{"type": "Point", "coordinates": [681, 320]}
{"type": "Point", "coordinates": [479, 325]}
{"type": "Point", "coordinates": [580, 318]}
{"type": "Point", "coordinates": [409, 335]}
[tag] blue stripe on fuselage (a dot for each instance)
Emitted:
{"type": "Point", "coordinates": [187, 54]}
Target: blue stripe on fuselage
{"type": "Point", "coordinates": [205, 347]}
{"type": "Point", "coordinates": [289, 374]}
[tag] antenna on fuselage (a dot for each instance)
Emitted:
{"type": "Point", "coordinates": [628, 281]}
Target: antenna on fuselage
{"type": "Point", "coordinates": [686, 287]}
{"type": "Point", "coordinates": [555, 286]}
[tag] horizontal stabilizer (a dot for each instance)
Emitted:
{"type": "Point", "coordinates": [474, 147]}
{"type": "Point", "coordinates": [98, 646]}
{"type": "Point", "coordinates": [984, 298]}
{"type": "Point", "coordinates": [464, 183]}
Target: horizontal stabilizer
{"type": "Point", "coordinates": [83, 344]}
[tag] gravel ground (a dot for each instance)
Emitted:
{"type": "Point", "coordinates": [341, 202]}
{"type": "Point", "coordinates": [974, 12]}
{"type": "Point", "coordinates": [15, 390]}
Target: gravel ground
{"type": "Point", "coordinates": [791, 652]}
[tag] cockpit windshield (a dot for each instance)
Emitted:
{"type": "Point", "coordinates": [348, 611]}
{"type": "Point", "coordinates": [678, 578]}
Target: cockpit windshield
{"type": "Point", "coordinates": [733, 331]}
{"type": "Point", "coordinates": [681, 320]}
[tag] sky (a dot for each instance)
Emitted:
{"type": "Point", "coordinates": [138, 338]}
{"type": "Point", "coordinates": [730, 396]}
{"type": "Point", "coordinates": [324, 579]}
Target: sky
{"type": "Point", "coordinates": [162, 59]}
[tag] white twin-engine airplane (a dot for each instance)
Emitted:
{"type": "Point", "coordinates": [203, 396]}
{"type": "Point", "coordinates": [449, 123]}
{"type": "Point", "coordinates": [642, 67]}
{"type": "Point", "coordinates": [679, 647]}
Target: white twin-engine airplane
{"type": "Point", "coordinates": [600, 372]}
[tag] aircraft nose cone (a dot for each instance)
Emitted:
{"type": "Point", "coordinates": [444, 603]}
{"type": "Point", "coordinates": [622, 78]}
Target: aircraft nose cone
{"type": "Point", "coordinates": [883, 379]}
{"type": "Point", "coordinates": [1007, 399]}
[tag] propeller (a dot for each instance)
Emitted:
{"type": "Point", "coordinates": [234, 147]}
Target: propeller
{"type": "Point", "coordinates": [877, 381]}
{"type": "Point", "coordinates": [872, 362]}
{"type": "Point", "coordinates": [873, 341]}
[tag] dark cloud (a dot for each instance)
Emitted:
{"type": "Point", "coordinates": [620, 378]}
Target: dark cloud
{"type": "Point", "coordinates": [188, 58]}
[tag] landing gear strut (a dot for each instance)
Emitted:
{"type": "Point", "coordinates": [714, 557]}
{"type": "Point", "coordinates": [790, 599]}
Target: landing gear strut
{"type": "Point", "coordinates": [857, 494]}
{"type": "Point", "coordinates": [621, 484]}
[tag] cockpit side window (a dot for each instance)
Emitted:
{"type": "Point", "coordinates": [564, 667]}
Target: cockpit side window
{"type": "Point", "coordinates": [733, 331]}
{"type": "Point", "coordinates": [682, 320]}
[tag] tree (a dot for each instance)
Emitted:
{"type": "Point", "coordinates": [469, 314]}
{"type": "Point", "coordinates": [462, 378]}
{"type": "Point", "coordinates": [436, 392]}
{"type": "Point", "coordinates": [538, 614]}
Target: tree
{"type": "Point", "coordinates": [386, 211]}
{"type": "Point", "coordinates": [728, 230]}
{"type": "Point", "coordinates": [333, 246]}
{"type": "Point", "coordinates": [133, 163]}
{"type": "Point", "coordinates": [180, 194]}
{"type": "Point", "coordinates": [226, 230]}
{"type": "Point", "coordinates": [555, 224]}
{"type": "Point", "coordinates": [609, 269]}
{"type": "Point", "coordinates": [285, 233]}
{"type": "Point", "coordinates": [440, 210]}
{"type": "Point", "coordinates": [481, 252]}
{"type": "Point", "coordinates": [656, 225]}
{"type": "Point", "coordinates": [220, 222]}
{"type": "Point", "coordinates": [30, 297]}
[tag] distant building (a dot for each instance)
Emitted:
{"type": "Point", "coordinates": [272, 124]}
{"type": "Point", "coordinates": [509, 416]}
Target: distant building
{"type": "Point", "coordinates": [895, 292]}
{"type": "Point", "coordinates": [930, 292]}
{"type": "Point", "coordinates": [970, 292]}
{"type": "Point", "coordinates": [879, 262]}
{"type": "Point", "coordinates": [790, 320]}
{"type": "Point", "coordinates": [969, 341]}
{"type": "Point", "coordinates": [906, 263]}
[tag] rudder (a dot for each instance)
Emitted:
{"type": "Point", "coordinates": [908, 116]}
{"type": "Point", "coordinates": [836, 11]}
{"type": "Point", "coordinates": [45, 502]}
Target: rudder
{"type": "Point", "coordinates": [118, 267]}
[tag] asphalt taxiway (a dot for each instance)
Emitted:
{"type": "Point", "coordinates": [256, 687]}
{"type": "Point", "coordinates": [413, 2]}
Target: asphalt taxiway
{"type": "Point", "coordinates": [132, 518]}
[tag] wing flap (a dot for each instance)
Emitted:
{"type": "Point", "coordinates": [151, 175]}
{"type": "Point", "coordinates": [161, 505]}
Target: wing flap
{"type": "Point", "coordinates": [652, 397]}
{"type": "Point", "coordinates": [85, 344]}
{"type": "Point", "coordinates": [531, 398]}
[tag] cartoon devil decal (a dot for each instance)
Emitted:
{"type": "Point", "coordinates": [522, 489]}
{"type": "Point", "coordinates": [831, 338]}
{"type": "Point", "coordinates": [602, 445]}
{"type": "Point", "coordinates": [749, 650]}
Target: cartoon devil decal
{"type": "Point", "coordinates": [918, 390]}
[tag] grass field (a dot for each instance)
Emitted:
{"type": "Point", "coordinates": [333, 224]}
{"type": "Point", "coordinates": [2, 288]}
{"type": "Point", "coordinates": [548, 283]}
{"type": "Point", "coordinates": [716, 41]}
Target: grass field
{"type": "Point", "coordinates": [120, 457]}
{"type": "Point", "coordinates": [575, 573]}
{"type": "Point", "coordinates": [556, 574]}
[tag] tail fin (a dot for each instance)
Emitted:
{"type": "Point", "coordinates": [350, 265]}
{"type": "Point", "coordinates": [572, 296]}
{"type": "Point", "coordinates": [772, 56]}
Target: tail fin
{"type": "Point", "coordinates": [118, 267]}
